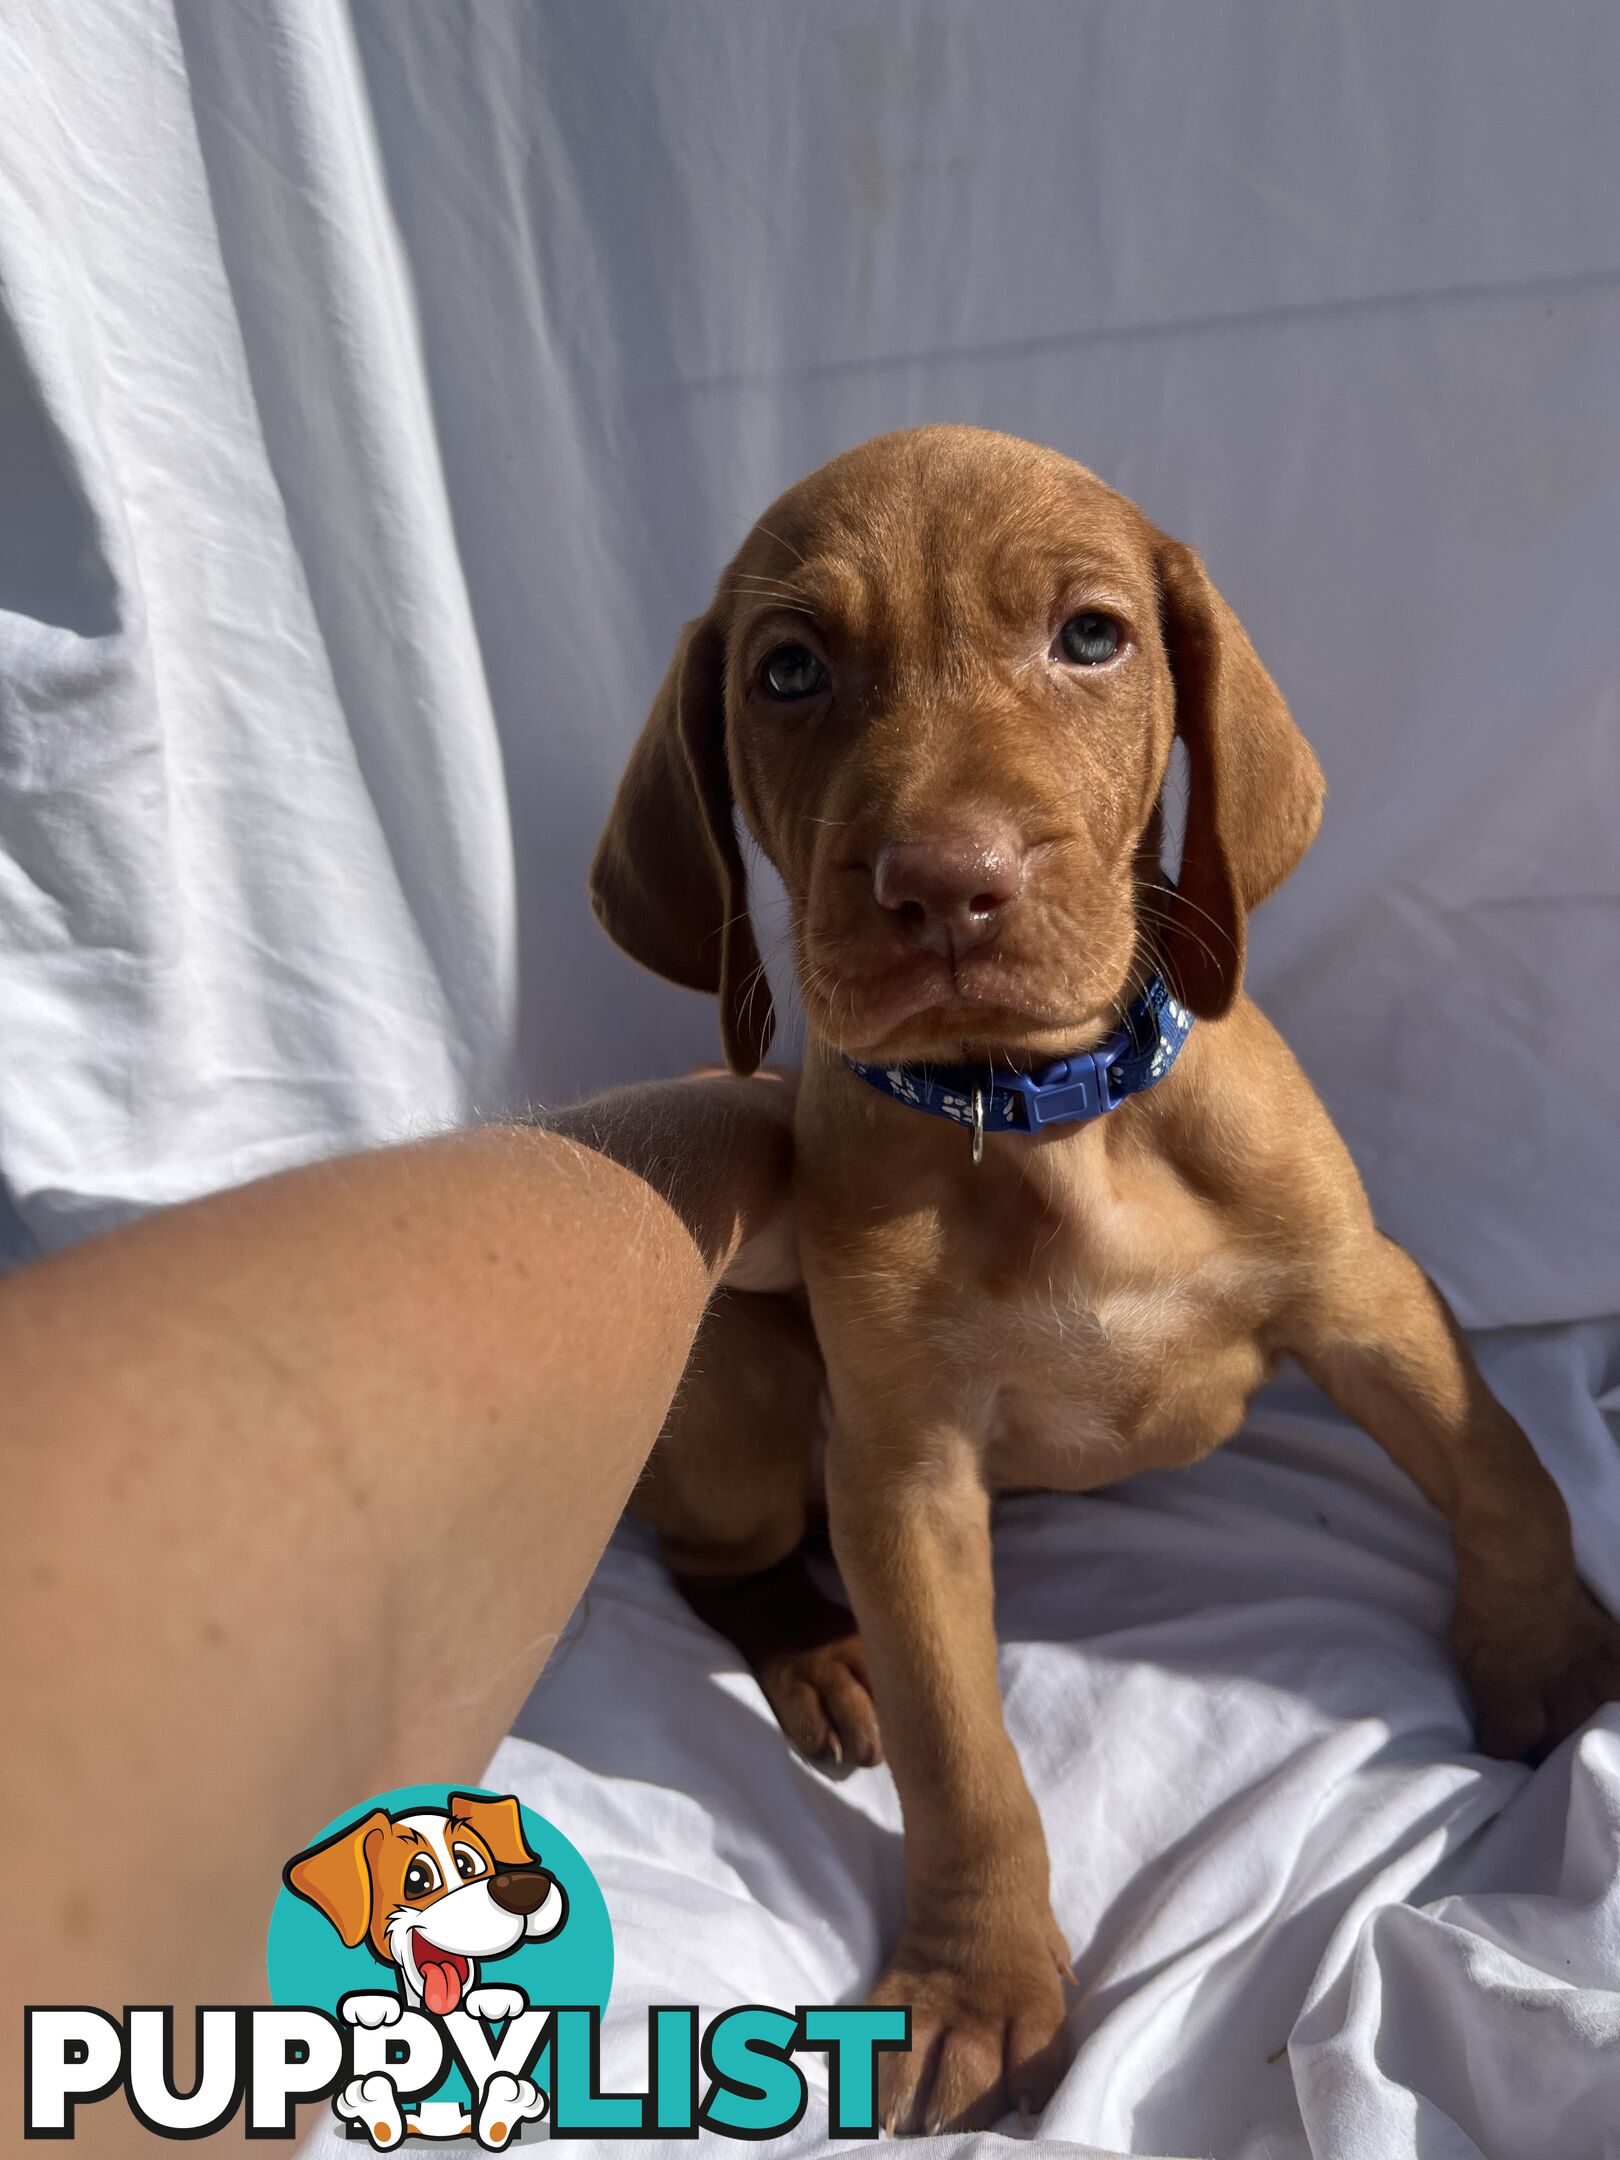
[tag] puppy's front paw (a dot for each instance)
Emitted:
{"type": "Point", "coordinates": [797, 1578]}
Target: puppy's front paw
{"type": "Point", "coordinates": [371, 2009]}
{"type": "Point", "coordinates": [1539, 1680]}
{"type": "Point", "coordinates": [988, 2033]}
{"type": "Point", "coordinates": [491, 2002]}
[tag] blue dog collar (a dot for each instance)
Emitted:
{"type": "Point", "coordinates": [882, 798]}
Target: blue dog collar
{"type": "Point", "coordinates": [1071, 1091]}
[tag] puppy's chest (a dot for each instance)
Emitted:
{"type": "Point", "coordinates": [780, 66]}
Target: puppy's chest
{"type": "Point", "coordinates": [1088, 1329]}
{"type": "Point", "coordinates": [1101, 1372]}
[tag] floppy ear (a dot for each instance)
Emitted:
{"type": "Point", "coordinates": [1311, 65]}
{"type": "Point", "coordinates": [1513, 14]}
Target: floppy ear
{"type": "Point", "coordinates": [336, 1877]}
{"type": "Point", "coordinates": [498, 1822]}
{"type": "Point", "coordinates": [667, 882]}
{"type": "Point", "coordinates": [1255, 789]}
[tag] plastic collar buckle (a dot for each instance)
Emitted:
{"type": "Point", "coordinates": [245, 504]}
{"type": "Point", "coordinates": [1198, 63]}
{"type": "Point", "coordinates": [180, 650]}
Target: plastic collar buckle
{"type": "Point", "coordinates": [1058, 1097]}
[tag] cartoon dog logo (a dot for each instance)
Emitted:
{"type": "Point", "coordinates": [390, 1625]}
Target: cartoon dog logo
{"type": "Point", "coordinates": [437, 1893]}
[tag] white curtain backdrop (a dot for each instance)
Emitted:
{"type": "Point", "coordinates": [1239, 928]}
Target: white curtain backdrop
{"type": "Point", "coordinates": [380, 386]}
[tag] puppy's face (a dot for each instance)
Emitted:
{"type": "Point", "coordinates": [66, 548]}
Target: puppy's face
{"type": "Point", "coordinates": [950, 714]}
{"type": "Point", "coordinates": [942, 680]}
{"type": "Point", "coordinates": [433, 1892]}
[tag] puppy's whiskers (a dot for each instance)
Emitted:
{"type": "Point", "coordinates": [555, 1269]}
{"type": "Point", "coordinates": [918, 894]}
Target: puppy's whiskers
{"type": "Point", "coordinates": [1182, 905]}
{"type": "Point", "coordinates": [796, 553]}
{"type": "Point", "coordinates": [752, 585]}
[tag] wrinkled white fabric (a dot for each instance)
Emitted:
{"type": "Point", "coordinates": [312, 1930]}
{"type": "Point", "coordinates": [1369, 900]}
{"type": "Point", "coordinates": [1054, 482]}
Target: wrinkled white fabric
{"type": "Point", "coordinates": [380, 386]}
{"type": "Point", "coordinates": [1307, 1917]}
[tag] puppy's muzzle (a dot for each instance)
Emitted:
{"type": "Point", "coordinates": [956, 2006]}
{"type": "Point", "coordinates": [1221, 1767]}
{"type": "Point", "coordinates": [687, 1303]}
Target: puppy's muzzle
{"type": "Point", "coordinates": [951, 892]}
{"type": "Point", "coordinates": [520, 1891]}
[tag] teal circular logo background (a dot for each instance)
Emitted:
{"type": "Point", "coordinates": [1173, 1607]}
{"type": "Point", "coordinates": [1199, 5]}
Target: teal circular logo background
{"type": "Point", "coordinates": [310, 1964]}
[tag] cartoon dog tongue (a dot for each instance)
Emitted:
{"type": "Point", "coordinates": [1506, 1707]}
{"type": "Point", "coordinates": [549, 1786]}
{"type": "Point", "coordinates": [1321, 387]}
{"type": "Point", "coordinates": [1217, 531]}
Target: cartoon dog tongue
{"type": "Point", "coordinates": [442, 1974]}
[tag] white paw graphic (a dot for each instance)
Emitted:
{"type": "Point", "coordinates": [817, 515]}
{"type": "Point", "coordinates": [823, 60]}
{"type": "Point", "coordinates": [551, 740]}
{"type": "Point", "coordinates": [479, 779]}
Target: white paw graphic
{"type": "Point", "coordinates": [495, 2002]}
{"type": "Point", "coordinates": [506, 2103]}
{"type": "Point", "coordinates": [374, 2104]}
{"type": "Point", "coordinates": [372, 2010]}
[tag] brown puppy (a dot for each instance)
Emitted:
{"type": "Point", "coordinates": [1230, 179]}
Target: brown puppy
{"type": "Point", "coordinates": [941, 681]}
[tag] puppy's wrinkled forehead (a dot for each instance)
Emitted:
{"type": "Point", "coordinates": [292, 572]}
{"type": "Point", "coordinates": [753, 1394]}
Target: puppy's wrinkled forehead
{"type": "Point", "coordinates": [918, 547]}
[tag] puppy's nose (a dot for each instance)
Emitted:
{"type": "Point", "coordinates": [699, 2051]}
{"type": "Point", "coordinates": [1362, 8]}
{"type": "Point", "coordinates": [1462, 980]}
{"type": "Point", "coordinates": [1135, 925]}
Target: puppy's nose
{"type": "Point", "coordinates": [952, 892]}
{"type": "Point", "coordinates": [520, 1890]}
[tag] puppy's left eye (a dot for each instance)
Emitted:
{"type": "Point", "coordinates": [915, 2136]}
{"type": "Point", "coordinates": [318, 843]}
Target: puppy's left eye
{"type": "Point", "coordinates": [793, 672]}
{"type": "Point", "coordinates": [469, 1865]}
{"type": "Point", "coordinates": [1088, 640]}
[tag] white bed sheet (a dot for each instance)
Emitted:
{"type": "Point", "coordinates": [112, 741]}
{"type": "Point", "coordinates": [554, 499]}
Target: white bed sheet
{"type": "Point", "coordinates": [1307, 1917]}
{"type": "Point", "coordinates": [381, 384]}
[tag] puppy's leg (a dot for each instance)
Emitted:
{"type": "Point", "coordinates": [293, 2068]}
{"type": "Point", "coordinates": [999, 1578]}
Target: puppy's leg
{"type": "Point", "coordinates": [980, 1955]}
{"type": "Point", "coordinates": [1539, 1654]}
{"type": "Point", "coordinates": [729, 1490]}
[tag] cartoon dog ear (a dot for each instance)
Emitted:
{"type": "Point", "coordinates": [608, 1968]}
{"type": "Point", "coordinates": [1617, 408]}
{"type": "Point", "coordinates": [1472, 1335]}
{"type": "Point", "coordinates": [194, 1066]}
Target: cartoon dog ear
{"type": "Point", "coordinates": [668, 882]}
{"type": "Point", "coordinates": [336, 1877]}
{"type": "Point", "coordinates": [498, 1822]}
{"type": "Point", "coordinates": [1255, 788]}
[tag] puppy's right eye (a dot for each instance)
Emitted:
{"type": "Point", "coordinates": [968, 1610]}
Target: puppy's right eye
{"type": "Point", "coordinates": [793, 672]}
{"type": "Point", "coordinates": [421, 1877]}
